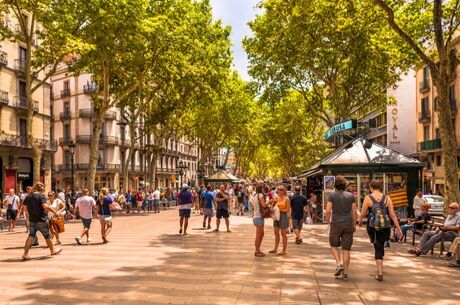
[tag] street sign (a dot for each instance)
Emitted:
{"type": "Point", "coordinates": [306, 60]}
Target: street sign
{"type": "Point", "coordinates": [340, 127]}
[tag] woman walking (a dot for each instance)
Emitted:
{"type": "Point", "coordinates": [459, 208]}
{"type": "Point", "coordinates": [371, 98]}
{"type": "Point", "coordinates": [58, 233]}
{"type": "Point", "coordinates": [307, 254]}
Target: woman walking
{"type": "Point", "coordinates": [59, 206]}
{"type": "Point", "coordinates": [280, 226]}
{"type": "Point", "coordinates": [258, 200]}
{"type": "Point", "coordinates": [105, 214]}
{"type": "Point", "coordinates": [379, 210]}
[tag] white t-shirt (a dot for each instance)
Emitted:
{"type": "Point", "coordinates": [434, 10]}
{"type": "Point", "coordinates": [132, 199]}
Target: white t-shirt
{"type": "Point", "coordinates": [13, 200]}
{"type": "Point", "coordinates": [85, 206]}
{"type": "Point", "coordinates": [156, 195]}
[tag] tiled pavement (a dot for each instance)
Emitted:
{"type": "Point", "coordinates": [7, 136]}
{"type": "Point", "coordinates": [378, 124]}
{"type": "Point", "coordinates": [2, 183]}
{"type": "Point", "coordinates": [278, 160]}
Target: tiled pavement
{"type": "Point", "coordinates": [147, 262]}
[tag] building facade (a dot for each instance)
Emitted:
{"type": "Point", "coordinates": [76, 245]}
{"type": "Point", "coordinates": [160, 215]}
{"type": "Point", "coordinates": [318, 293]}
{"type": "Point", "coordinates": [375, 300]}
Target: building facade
{"type": "Point", "coordinates": [429, 148]}
{"type": "Point", "coordinates": [73, 119]}
{"type": "Point", "coordinates": [16, 157]}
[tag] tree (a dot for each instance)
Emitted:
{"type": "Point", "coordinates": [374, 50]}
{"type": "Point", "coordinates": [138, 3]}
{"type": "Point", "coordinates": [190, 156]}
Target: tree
{"type": "Point", "coordinates": [334, 53]}
{"type": "Point", "coordinates": [430, 30]}
{"type": "Point", "coordinates": [50, 30]}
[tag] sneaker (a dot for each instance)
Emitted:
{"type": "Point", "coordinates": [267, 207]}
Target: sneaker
{"type": "Point", "coordinates": [89, 240]}
{"type": "Point", "coordinates": [78, 240]}
{"type": "Point", "coordinates": [455, 265]}
{"type": "Point", "coordinates": [445, 257]}
{"type": "Point", "coordinates": [338, 270]}
{"type": "Point", "coordinates": [344, 276]}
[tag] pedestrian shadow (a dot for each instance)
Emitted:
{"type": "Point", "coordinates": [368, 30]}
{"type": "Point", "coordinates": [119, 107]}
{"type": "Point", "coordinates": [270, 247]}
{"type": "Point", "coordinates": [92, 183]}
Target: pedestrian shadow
{"type": "Point", "coordinates": [17, 260]}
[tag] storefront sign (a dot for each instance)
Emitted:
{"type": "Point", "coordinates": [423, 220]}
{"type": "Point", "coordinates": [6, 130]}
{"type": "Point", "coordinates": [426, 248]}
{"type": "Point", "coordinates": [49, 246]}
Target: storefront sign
{"type": "Point", "coordinates": [394, 129]}
{"type": "Point", "coordinates": [339, 128]}
{"type": "Point", "coordinates": [23, 175]}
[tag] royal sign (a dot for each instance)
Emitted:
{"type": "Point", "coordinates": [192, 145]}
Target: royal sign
{"type": "Point", "coordinates": [340, 127]}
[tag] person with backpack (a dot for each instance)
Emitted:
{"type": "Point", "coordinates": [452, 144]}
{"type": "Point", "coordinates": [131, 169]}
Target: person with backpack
{"type": "Point", "coordinates": [261, 211]}
{"type": "Point", "coordinates": [380, 212]}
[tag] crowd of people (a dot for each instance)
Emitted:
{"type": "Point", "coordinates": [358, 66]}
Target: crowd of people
{"type": "Point", "coordinates": [284, 203]}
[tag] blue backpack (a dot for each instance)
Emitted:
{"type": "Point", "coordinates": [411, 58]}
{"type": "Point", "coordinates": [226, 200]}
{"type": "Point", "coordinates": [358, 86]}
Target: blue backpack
{"type": "Point", "coordinates": [379, 218]}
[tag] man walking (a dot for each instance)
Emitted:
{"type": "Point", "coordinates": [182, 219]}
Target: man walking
{"type": "Point", "coordinates": [341, 214]}
{"type": "Point", "coordinates": [85, 205]}
{"type": "Point", "coordinates": [35, 204]}
{"type": "Point", "coordinates": [185, 200]}
{"type": "Point", "coordinates": [298, 205]}
{"type": "Point", "coordinates": [12, 202]}
{"type": "Point", "coordinates": [156, 201]}
{"type": "Point", "coordinates": [208, 206]}
{"type": "Point", "coordinates": [222, 208]}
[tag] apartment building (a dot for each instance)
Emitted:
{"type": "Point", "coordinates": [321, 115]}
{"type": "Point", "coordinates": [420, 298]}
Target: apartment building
{"type": "Point", "coordinates": [429, 148]}
{"type": "Point", "coordinates": [73, 115]}
{"type": "Point", "coordinates": [16, 158]}
{"type": "Point", "coordinates": [394, 122]}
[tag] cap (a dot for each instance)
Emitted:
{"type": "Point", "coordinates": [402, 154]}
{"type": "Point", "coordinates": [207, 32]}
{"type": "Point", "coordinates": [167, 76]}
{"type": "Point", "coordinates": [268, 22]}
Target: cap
{"type": "Point", "coordinates": [185, 186]}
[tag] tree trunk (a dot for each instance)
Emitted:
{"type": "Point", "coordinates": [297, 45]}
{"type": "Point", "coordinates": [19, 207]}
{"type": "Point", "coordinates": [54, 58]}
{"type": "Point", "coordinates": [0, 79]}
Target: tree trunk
{"type": "Point", "coordinates": [94, 150]}
{"type": "Point", "coordinates": [448, 138]}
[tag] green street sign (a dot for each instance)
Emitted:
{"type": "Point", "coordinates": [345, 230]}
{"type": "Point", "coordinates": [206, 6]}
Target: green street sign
{"type": "Point", "coordinates": [340, 127]}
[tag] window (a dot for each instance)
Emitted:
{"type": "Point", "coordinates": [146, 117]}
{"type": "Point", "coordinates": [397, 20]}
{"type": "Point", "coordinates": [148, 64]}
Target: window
{"type": "Point", "coordinates": [67, 107]}
{"type": "Point", "coordinates": [22, 54]}
{"type": "Point", "coordinates": [438, 160]}
{"type": "Point", "coordinates": [381, 120]}
{"type": "Point", "coordinates": [122, 132]}
{"type": "Point", "coordinates": [67, 131]}
{"type": "Point", "coordinates": [426, 133]}
{"type": "Point", "coordinates": [100, 159]}
{"type": "Point", "coordinates": [66, 85]}
{"type": "Point", "coordinates": [67, 157]}
{"type": "Point", "coordinates": [425, 107]}
{"type": "Point", "coordinates": [22, 90]}
{"type": "Point", "coordinates": [437, 134]}
{"type": "Point", "coordinates": [122, 160]}
{"type": "Point", "coordinates": [22, 128]}
{"type": "Point", "coordinates": [426, 76]}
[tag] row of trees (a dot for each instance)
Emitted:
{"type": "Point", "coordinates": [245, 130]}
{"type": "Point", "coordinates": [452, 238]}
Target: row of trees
{"type": "Point", "coordinates": [340, 55]}
{"type": "Point", "coordinates": [166, 64]}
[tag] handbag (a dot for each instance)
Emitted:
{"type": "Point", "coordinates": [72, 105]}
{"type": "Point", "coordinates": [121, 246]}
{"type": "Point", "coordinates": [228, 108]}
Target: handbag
{"type": "Point", "coordinates": [114, 206]}
{"type": "Point", "coordinates": [276, 214]}
{"type": "Point", "coordinates": [58, 224]}
{"type": "Point", "coordinates": [264, 211]}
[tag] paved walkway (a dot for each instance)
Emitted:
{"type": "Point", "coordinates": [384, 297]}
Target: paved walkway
{"type": "Point", "coordinates": [147, 262]}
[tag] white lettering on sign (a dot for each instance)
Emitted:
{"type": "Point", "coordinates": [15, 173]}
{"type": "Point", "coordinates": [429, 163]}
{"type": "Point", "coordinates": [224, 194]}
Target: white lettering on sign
{"type": "Point", "coordinates": [394, 116]}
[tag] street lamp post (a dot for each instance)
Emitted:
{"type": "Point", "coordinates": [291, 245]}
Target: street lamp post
{"type": "Point", "coordinates": [72, 174]}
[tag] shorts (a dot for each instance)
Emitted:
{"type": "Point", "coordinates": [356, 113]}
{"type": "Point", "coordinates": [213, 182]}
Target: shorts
{"type": "Point", "coordinates": [208, 212]}
{"type": "Point", "coordinates": [258, 221]}
{"type": "Point", "coordinates": [222, 213]}
{"type": "Point", "coordinates": [86, 223]}
{"type": "Point", "coordinates": [41, 226]}
{"type": "Point", "coordinates": [341, 234]}
{"type": "Point", "coordinates": [156, 202]}
{"type": "Point", "coordinates": [11, 214]}
{"type": "Point", "coordinates": [283, 223]}
{"type": "Point", "coordinates": [297, 223]}
{"type": "Point", "coordinates": [185, 213]}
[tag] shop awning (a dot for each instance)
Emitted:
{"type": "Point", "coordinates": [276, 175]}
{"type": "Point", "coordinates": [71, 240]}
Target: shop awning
{"type": "Point", "coordinates": [223, 177]}
{"type": "Point", "coordinates": [360, 154]}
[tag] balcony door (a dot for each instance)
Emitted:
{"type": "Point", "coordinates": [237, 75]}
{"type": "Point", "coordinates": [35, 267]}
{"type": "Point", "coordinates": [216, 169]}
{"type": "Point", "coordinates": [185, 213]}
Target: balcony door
{"type": "Point", "coordinates": [22, 94]}
{"type": "Point", "coordinates": [23, 131]}
{"type": "Point", "coordinates": [425, 107]}
{"type": "Point", "coordinates": [66, 131]}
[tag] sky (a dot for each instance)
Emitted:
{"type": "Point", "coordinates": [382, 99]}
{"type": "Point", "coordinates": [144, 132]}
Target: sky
{"type": "Point", "coordinates": [237, 13]}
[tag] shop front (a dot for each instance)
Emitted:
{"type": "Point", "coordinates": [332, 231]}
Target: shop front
{"type": "Point", "coordinates": [360, 161]}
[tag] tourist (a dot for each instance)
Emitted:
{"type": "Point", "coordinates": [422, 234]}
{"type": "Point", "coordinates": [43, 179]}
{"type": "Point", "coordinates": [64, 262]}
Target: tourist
{"type": "Point", "coordinates": [134, 201]}
{"type": "Point", "coordinates": [149, 201]}
{"type": "Point", "coordinates": [12, 202]}
{"type": "Point", "coordinates": [140, 200]}
{"type": "Point", "coordinates": [222, 208]}
{"type": "Point", "coordinates": [231, 197]}
{"type": "Point", "coordinates": [240, 201]}
{"type": "Point", "coordinates": [419, 201]}
{"type": "Point", "coordinates": [185, 200]}
{"type": "Point", "coordinates": [379, 209]}
{"type": "Point", "coordinates": [257, 200]}
{"type": "Point", "coordinates": [85, 205]}
{"type": "Point", "coordinates": [122, 199]}
{"type": "Point", "coordinates": [448, 231]}
{"type": "Point", "coordinates": [156, 200]}
{"type": "Point", "coordinates": [299, 207]}
{"type": "Point", "coordinates": [208, 211]}
{"type": "Point", "coordinates": [419, 221]}
{"type": "Point", "coordinates": [104, 203]}
{"type": "Point", "coordinates": [280, 226]}
{"type": "Point", "coordinates": [59, 206]}
{"type": "Point", "coordinates": [313, 207]}
{"type": "Point", "coordinates": [36, 207]}
{"type": "Point", "coordinates": [196, 201]}
{"type": "Point", "coordinates": [341, 214]}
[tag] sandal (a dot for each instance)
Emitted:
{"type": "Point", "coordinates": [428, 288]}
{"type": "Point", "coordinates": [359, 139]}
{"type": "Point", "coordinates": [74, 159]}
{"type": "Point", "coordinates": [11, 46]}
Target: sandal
{"type": "Point", "coordinates": [26, 258]}
{"type": "Point", "coordinates": [56, 252]}
{"type": "Point", "coordinates": [273, 251]}
{"type": "Point", "coordinates": [379, 277]}
{"type": "Point", "coordinates": [282, 253]}
{"type": "Point", "coordinates": [259, 254]}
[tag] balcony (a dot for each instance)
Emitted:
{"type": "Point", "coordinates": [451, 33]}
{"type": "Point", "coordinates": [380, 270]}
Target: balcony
{"type": "Point", "coordinates": [13, 141]}
{"type": "Point", "coordinates": [125, 142]}
{"type": "Point", "coordinates": [20, 65]}
{"type": "Point", "coordinates": [424, 117]}
{"type": "Point", "coordinates": [108, 140]}
{"type": "Point", "coordinates": [90, 88]}
{"type": "Point", "coordinates": [169, 171]}
{"type": "Point", "coordinates": [86, 113]}
{"type": "Point", "coordinates": [424, 86]}
{"type": "Point", "coordinates": [66, 115]}
{"type": "Point", "coordinates": [4, 100]}
{"type": "Point", "coordinates": [84, 139]}
{"type": "Point", "coordinates": [85, 167]}
{"type": "Point", "coordinates": [170, 152]}
{"type": "Point", "coordinates": [21, 103]}
{"type": "Point", "coordinates": [50, 145]}
{"type": "Point", "coordinates": [65, 141]}
{"type": "Point", "coordinates": [110, 115]}
{"type": "Point", "coordinates": [65, 92]}
{"type": "Point", "coordinates": [430, 145]}
{"type": "Point", "coordinates": [3, 59]}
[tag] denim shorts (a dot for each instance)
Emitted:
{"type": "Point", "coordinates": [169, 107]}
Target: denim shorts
{"type": "Point", "coordinates": [258, 221]}
{"type": "Point", "coordinates": [86, 223]}
{"type": "Point", "coordinates": [41, 226]}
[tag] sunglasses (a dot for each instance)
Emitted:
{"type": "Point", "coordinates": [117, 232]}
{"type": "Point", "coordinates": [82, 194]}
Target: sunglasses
{"type": "Point", "coordinates": [281, 190]}
{"type": "Point", "coordinates": [453, 208]}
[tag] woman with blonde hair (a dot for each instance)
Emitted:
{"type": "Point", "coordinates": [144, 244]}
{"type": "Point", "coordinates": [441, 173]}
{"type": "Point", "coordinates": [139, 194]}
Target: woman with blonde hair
{"type": "Point", "coordinates": [280, 226]}
{"type": "Point", "coordinates": [58, 206]}
{"type": "Point", "coordinates": [104, 204]}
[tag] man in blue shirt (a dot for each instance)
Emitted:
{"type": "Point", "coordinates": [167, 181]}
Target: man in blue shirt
{"type": "Point", "coordinates": [185, 200]}
{"type": "Point", "coordinates": [208, 198]}
{"type": "Point", "coordinates": [298, 204]}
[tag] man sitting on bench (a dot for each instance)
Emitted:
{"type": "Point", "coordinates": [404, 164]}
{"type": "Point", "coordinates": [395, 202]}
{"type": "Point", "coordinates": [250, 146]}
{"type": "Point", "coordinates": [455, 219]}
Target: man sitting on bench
{"type": "Point", "coordinates": [450, 230]}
